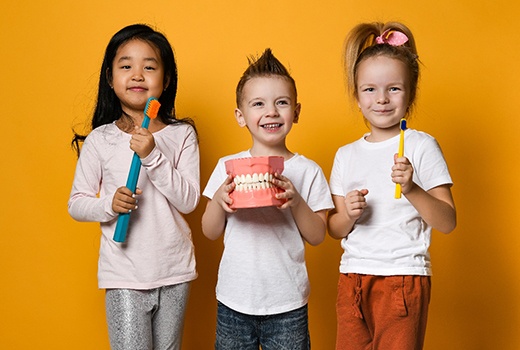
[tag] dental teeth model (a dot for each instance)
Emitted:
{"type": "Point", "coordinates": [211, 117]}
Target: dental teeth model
{"type": "Point", "coordinates": [253, 179]}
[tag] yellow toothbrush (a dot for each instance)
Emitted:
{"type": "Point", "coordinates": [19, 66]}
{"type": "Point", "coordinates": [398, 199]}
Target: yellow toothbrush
{"type": "Point", "coordinates": [400, 153]}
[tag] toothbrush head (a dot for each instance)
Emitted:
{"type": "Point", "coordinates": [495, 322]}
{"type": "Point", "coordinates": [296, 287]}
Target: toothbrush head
{"type": "Point", "coordinates": [402, 124]}
{"type": "Point", "coordinates": [152, 108]}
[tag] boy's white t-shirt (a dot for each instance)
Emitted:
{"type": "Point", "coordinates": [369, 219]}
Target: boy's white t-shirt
{"type": "Point", "coordinates": [262, 270]}
{"type": "Point", "coordinates": [390, 237]}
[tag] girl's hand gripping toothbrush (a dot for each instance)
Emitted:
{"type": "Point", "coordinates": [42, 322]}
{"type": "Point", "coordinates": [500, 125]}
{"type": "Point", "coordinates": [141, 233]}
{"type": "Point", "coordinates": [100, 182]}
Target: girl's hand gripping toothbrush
{"type": "Point", "coordinates": [400, 153]}
{"type": "Point", "coordinates": [150, 112]}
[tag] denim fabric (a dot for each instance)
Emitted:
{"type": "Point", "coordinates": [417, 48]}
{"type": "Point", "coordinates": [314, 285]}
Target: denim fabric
{"type": "Point", "coordinates": [285, 331]}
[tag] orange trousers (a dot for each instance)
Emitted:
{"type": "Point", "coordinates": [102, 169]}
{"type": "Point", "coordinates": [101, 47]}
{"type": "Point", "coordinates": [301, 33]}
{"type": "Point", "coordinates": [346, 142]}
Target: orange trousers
{"type": "Point", "coordinates": [382, 312]}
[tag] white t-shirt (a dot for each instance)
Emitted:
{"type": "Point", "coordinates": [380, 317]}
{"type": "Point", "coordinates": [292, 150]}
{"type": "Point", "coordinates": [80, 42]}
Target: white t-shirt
{"type": "Point", "coordinates": [390, 237]}
{"type": "Point", "coordinates": [262, 270]}
{"type": "Point", "coordinates": [158, 250]}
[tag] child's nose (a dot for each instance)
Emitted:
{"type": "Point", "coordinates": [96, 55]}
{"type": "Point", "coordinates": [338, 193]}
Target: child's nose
{"type": "Point", "coordinates": [272, 111]}
{"type": "Point", "coordinates": [382, 98]}
{"type": "Point", "coordinates": [137, 76]}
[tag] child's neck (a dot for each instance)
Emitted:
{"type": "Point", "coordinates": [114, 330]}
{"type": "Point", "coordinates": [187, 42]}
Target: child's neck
{"type": "Point", "coordinates": [380, 135]}
{"type": "Point", "coordinates": [127, 123]}
{"type": "Point", "coordinates": [262, 150]}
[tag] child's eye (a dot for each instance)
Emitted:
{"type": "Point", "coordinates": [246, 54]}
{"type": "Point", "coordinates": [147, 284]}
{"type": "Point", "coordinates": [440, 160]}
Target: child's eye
{"type": "Point", "coordinates": [369, 89]}
{"type": "Point", "coordinates": [394, 88]}
{"type": "Point", "coordinates": [283, 102]}
{"type": "Point", "coordinates": [125, 67]}
{"type": "Point", "coordinates": [149, 68]}
{"type": "Point", "coordinates": [257, 104]}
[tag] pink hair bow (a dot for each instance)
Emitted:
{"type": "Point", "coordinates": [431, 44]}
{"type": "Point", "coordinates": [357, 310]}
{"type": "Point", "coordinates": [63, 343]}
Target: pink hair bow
{"type": "Point", "coordinates": [392, 37]}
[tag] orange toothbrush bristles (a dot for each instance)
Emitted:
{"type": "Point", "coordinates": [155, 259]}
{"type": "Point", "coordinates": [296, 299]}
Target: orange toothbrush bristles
{"type": "Point", "coordinates": [152, 108]}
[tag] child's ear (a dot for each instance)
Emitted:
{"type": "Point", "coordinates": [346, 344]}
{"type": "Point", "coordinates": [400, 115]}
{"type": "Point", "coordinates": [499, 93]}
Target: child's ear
{"type": "Point", "coordinates": [297, 111]}
{"type": "Point", "coordinates": [240, 118]}
{"type": "Point", "coordinates": [166, 83]}
{"type": "Point", "coordinates": [109, 77]}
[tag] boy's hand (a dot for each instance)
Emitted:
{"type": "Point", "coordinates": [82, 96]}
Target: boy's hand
{"type": "Point", "coordinates": [222, 198]}
{"type": "Point", "coordinates": [291, 194]}
{"type": "Point", "coordinates": [214, 218]}
{"type": "Point", "coordinates": [402, 173]}
{"type": "Point", "coordinates": [142, 142]}
{"type": "Point", "coordinates": [124, 200]}
{"type": "Point", "coordinates": [355, 203]}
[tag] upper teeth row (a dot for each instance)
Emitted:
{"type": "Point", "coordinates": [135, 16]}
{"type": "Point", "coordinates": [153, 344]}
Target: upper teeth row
{"type": "Point", "coordinates": [251, 178]}
{"type": "Point", "coordinates": [253, 182]}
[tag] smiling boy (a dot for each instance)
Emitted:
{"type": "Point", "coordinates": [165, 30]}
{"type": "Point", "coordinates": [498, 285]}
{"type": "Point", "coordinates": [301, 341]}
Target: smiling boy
{"type": "Point", "coordinates": [263, 287]}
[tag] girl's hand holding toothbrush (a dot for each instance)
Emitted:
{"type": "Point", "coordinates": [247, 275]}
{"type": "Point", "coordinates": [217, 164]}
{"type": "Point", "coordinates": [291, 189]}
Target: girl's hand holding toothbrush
{"type": "Point", "coordinates": [402, 173]}
{"type": "Point", "coordinates": [142, 142]}
{"type": "Point", "coordinates": [124, 200]}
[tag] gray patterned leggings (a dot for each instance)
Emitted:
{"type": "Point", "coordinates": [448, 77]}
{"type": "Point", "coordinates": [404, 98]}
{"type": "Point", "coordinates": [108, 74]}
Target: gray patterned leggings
{"type": "Point", "coordinates": [146, 319]}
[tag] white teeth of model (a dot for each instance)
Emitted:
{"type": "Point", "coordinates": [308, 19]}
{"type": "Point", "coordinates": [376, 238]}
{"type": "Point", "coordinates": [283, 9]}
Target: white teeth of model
{"type": "Point", "coordinates": [252, 182]}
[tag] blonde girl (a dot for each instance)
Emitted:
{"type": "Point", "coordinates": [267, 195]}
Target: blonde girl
{"type": "Point", "coordinates": [384, 285]}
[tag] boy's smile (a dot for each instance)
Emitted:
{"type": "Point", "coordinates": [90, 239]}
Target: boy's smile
{"type": "Point", "coordinates": [268, 109]}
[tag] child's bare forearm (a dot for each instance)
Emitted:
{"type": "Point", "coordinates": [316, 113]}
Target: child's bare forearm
{"type": "Point", "coordinates": [312, 225]}
{"type": "Point", "coordinates": [435, 206]}
{"type": "Point", "coordinates": [213, 220]}
{"type": "Point", "coordinates": [340, 223]}
{"type": "Point", "coordinates": [339, 226]}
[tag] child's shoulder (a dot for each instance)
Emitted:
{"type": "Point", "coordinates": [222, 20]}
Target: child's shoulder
{"type": "Point", "coordinates": [177, 131]}
{"type": "Point", "coordinates": [419, 137]}
{"type": "Point", "coordinates": [301, 164]}
{"type": "Point", "coordinates": [242, 154]}
{"type": "Point", "coordinates": [103, 132]}
{"type": "Point", "coordinates": [299, 160]}
{"type": "Point", "coordinates": [356, 143]}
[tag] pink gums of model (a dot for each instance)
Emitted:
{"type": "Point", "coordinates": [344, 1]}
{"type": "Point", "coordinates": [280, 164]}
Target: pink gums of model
{"type": "Point", "coordinates": [253, 181]}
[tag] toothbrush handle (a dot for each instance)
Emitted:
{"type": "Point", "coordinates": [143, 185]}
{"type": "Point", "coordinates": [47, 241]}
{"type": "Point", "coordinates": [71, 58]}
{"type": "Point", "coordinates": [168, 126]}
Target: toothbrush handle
{"type": "Point", "coordinates": [131, 183]}
{"type": "Point", "coordinates": [122, 226]}
{"type": "Point", "coordinates": [397, 191]}
{"type": "Point", "coordinates": [400, 153]}
{"type": "Point", "coordinates": [124, 218]}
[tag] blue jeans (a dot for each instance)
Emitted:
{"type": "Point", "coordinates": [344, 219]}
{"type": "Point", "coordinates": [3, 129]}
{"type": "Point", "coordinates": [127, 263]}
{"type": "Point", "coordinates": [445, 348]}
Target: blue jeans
{"type": "Point", "coordinates": [285, 331]}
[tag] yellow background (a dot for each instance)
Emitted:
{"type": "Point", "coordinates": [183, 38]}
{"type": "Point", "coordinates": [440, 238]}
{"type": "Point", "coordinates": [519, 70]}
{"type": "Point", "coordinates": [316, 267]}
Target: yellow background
{"type": "Point", "coordinates": [469, 94]}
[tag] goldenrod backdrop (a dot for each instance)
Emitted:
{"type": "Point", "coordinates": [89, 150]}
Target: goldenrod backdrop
{"type": "Point", "coordinates": [469, 93]}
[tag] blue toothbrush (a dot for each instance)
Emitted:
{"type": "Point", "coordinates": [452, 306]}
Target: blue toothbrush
{"type": "Point", "coordinates": [150, 111]}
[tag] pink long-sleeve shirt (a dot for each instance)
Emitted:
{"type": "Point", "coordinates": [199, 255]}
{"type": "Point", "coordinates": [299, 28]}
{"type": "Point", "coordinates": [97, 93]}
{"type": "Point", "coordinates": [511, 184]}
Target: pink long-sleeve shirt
{"type": "Point", "coordinates": [158, 250]}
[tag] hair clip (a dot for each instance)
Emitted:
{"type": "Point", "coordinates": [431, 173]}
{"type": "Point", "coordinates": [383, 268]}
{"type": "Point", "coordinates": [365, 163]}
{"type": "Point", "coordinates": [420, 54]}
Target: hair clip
{"type": "Point", "coordinates": [392, 37]}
